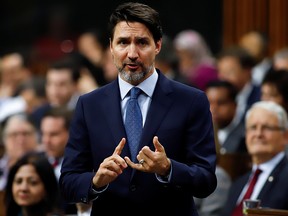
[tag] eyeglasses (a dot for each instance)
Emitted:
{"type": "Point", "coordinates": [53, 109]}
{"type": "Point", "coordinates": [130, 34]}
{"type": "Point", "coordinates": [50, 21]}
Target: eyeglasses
{"type": "Point", "coordinates": [13, 135]}
{"type": "Point", "coordinates": [264, 128]}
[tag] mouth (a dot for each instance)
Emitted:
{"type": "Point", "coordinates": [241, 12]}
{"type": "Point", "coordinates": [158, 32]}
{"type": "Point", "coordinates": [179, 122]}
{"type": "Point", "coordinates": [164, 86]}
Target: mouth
{"type": "Point", "coordinates": [132, 67]}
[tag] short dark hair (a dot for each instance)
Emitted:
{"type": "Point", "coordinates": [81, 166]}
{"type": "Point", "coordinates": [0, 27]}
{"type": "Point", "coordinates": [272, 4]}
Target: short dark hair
{"type": "Point", "coordinates": [137, 12]}
{"type": "Point", "coordinates": [60, 112]}
{"type": "Point", "coordinates": [246, 60]}
{"type": "Point", "coordinates": [279, 79]}
{"type": "Point", "coordinates": [70, 63]}
{"type": "Point", "coordinates": [231, 89]}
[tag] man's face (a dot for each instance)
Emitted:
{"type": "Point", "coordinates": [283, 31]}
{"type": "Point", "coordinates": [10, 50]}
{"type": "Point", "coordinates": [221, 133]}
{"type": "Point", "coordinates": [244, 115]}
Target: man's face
{"type": "Point", "coordinates": [19, 138]}
{"type": "Point", "coordinates": [60, 86]}
{"type": "Point", "coordinates": [229, 69]}
{"type": "Point", "coordinates": [54, 136]}
{"type": "Point", "coordinates": [134, 50]}
{"type": "Point", "coordinates": [264, 137]}
{"type": "Point", "coordinates": [221, 106]}
{"type": "Point", "coordinates": [269, 92]}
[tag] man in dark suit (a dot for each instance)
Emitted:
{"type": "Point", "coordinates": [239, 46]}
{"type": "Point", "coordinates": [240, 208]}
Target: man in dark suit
{"type": "Point", "coordinates": [230, 131]}
{"type": "Point", "coordinates": [176, 155]}
{"type": "Point", "coordinates": [266, 137]}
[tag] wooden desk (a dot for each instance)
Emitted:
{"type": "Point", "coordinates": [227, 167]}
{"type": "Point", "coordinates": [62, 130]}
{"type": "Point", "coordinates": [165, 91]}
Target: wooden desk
{"type": "Point", "coordinates": [267, 212]}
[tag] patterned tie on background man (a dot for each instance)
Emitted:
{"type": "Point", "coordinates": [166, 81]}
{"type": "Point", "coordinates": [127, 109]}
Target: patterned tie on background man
{"type": "Point", "coordinates": [133, 122]}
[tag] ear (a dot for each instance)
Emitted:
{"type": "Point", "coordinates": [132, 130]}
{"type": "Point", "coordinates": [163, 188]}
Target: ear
{"type": "Point", "coordinates": [111, 49]}
{"type": "Point", "coordinates": [158, 46]}
{"type": "Point", "coordinates": [286, 137]}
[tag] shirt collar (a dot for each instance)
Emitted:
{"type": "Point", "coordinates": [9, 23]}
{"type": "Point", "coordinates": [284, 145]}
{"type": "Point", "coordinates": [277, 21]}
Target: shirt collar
{"type": "Point", "coordinates": [147, 86]}
{"type": "Point", "coordinates": [269, 165]}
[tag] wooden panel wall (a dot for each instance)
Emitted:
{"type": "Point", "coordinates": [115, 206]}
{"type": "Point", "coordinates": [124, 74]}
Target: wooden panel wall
{"type": "Point", "coordinates": [268, 16]}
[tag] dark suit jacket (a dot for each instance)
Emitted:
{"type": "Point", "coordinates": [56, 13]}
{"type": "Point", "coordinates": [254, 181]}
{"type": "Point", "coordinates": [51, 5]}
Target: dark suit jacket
{"type": "Point", "coordinates": [273, 195]}
{"type": "Point", "coordinates": [235, 141]}
{"type": "Point", "coordinates": [179, 115]}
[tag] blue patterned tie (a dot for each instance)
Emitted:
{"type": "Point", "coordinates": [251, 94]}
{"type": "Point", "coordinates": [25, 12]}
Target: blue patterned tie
{"type": "Point", "coordinates": [133, 122]}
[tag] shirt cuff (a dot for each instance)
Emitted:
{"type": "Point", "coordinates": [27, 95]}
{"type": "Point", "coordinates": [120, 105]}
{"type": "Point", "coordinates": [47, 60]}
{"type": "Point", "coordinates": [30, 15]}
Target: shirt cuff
{"type": "Point", "coordinates": [94, 193]}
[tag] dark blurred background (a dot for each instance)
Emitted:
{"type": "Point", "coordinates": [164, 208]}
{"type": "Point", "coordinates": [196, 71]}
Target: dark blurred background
{"type": "Point", "coordinates": [23, 23]}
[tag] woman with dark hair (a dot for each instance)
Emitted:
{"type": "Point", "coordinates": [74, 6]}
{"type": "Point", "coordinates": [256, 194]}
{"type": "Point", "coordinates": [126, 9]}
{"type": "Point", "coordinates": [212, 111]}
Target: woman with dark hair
{"type": "Point", "coordinates": [32, 188]}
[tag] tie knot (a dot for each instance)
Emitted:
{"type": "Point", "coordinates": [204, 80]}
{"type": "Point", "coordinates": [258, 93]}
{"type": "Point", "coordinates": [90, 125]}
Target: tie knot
{"type": "Point", "coordinates": [258, 171]}
{"type": "Point", "coordinates": [135, 92]}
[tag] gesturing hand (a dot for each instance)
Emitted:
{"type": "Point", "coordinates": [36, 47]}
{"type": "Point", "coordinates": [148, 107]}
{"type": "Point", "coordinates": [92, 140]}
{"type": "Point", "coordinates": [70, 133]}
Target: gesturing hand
{"type": "Point", "coordinates": [152, 161]}
{"type": "Point", "coordinates": [111, 167]}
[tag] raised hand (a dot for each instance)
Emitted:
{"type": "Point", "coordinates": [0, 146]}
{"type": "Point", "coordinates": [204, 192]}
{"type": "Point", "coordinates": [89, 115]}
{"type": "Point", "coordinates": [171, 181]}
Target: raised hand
{"type": "Point", "coordinates": [111, 167]}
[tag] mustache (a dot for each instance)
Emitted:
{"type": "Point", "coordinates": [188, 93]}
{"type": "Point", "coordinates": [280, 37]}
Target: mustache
{"type": "Point", "coordinates": [138, 63]}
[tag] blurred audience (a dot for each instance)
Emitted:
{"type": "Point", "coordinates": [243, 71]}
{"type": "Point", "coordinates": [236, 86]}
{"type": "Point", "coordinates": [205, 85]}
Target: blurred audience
{"type": "Point", "coordinates": [266, 138]}
{"type": "Point", "coordinates": [280, 59]}
{"type": "Point", "coordinates": [275, 87]}
{"type": "Point", "coordinates": [61, 87]}
{"type": "Point", "coordinates": [32, 188]}
{"type": "Point", "coordinates": [230, 131]}
{"type": "Point", "coordinates": [31, 95]}
{"type": "Point", "coordinates": [167, 60]}
{"type": "Point", "coordinates": [234, 65]}
{"type": "Point", "coordinates": [19, 137]}
{"type": "Point", "coordinates": [54, 127]}
{"type": "Point", "coordinates": [109, 68]}
{"type": "Point", "coordinates": [13, 71]}
{"type": "Point", "coordinates": [256, 43]}
{"type": "Point", "coordinates": [91, 46]}
{"type": "Point", "coordinates": [213, 204]}
{"type": "Point", "coordinates": [196, 62]}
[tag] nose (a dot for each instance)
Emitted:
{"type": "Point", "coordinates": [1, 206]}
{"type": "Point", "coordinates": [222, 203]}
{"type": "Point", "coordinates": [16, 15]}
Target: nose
{"type": "Point", "coordinates": [132, 52]}
{"type": "Point", "coordinates": [23, 186]}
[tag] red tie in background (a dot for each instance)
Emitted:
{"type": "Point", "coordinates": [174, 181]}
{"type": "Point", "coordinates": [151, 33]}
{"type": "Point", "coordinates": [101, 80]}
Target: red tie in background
{"type": "Point", "coordinates": [55, 163]}
{"type": "Point", "coordinates": [238, 210]}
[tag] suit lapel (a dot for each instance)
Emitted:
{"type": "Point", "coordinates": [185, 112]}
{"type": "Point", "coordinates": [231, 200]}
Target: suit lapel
{"type": "Point", "coordinates": [113, 114]}
{"type": "Point", "coordinates": [267, 188]}
{"type": "Point", "coordinates": [160, 104]}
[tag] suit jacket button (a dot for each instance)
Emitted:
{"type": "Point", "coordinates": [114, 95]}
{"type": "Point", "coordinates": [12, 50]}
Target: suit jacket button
{"type": "Point", "coordinates": [133, 187]}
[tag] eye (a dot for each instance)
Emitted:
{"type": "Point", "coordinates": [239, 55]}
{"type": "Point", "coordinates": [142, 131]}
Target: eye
{"type": "Point", "coordinates": [122, 41]}
{"type": "Point", "coordinates": [18, 181]}
{"type": "Point", "coordinates": [143, 42]}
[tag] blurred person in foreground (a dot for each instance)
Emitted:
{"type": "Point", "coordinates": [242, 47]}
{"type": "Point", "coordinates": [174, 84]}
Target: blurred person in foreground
{"type": "Point", "coordinates": [266, 138]}
{"type": "Point", "coordinates": [32, 188]}
{"type": "Point", "coordinates": [176, 156]}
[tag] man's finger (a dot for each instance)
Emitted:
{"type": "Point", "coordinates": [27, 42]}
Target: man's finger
{"type": "Point", "coordinates": [120, 146]}
{"type": "Point", "coordinates": [157, 144]}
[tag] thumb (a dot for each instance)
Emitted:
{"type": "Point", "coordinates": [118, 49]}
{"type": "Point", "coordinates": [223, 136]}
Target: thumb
{"type": "Point", "coordinates": [157, 145]}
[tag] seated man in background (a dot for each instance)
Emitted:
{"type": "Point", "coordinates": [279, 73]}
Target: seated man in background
{"type": "Point", "coordinates": [229, 130]}
{"type": "Point", "coordinates": [266, 138]}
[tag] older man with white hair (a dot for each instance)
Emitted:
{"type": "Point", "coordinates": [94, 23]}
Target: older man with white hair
{"type": "Point", "coordinates": [266, 138]}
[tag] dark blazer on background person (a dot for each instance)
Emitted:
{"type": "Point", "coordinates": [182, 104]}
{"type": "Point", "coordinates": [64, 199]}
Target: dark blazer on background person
{"type": "Point", "coordinates": [186, 132]}
{"type": "Point", "coordinates": [235, 141]}
{"type": "Point", "coordinates": [273, 194]}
